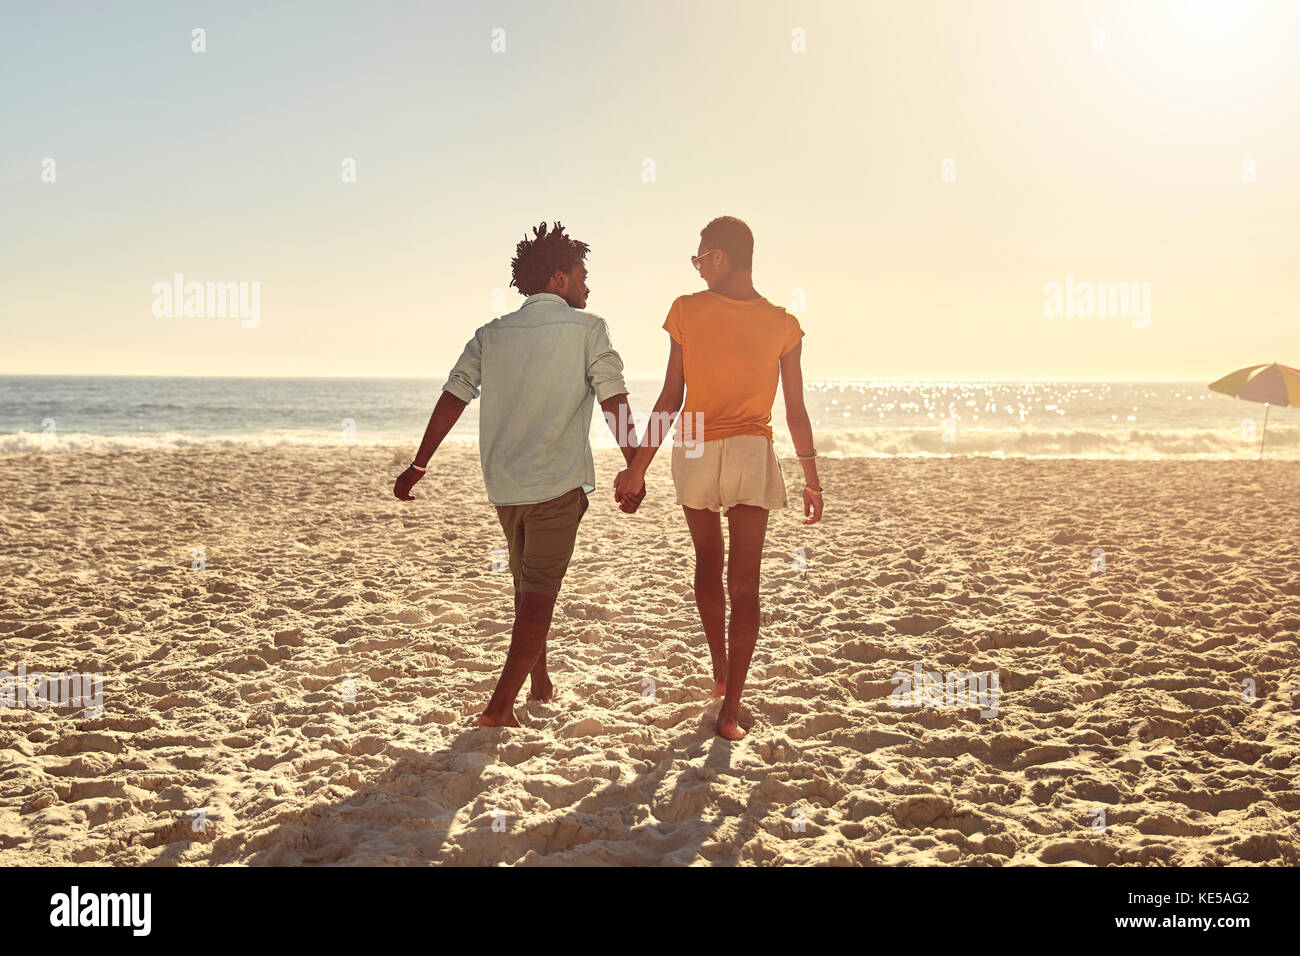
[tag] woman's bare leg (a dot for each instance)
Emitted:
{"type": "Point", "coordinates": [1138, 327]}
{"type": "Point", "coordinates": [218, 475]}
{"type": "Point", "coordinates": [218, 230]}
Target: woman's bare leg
{"type": "Point", "coordinates": [747, 528]}
{"type": "Point", "coordinates": [706, 533]}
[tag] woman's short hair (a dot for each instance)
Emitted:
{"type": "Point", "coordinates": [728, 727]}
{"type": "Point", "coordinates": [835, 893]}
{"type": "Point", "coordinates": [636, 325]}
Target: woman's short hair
{"type": "Point", "coordinates": [733, 237]}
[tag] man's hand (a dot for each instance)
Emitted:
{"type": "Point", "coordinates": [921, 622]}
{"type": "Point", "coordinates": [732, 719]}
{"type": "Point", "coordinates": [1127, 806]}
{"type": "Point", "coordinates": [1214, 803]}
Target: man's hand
{"type": "Point", "coordinates": [629, 490]}
{"type": "Point", "coordinates": [405, 482]}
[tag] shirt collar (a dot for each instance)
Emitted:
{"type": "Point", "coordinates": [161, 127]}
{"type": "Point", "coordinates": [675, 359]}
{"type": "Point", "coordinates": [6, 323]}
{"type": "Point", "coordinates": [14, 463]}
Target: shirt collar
{"type": "Point", "coordinates": [544, 297]}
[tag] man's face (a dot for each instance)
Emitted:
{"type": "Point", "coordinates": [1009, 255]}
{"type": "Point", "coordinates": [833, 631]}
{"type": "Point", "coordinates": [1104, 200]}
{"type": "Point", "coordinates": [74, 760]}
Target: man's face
{"type": "Point", "coordinates": [574, 286]}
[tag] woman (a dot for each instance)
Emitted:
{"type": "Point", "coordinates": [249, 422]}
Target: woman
{"type": "Point", "coordinates": [729, 345]}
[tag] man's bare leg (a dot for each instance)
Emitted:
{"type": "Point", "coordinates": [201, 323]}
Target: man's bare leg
{"type": "Point", "coordinates": [747, 527]}
{"type": "Point", "coordinates": [706, 533]}
{"type": "Point", "coordinates": [539, 687]}
{"type": "Point", "coordinates": [527, 640]}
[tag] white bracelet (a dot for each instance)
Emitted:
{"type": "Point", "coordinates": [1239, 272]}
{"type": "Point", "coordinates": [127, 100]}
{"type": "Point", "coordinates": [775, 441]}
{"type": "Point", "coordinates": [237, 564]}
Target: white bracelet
{"type": "Point", "coordinates": [417, 467]}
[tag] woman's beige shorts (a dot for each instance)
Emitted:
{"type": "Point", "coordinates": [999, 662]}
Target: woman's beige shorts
{"type": "Point", "coordinates": [738, 470]}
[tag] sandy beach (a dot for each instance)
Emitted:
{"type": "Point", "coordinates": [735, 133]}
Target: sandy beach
{"type": "Point", "coordinates": [310, 678]}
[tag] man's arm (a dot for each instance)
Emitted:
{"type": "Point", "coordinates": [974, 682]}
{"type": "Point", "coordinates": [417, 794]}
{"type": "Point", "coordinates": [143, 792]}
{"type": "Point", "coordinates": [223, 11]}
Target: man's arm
{"type": "Point", "coordinates": [461, 388]}
{"type": "Point", "coordinates": [632, 481]}
{"type": "Point", "coordinates": [605, 378]}
{"type": "Point", "coordinates": [445, 415]}
{"type": "Point", "coordinates": [618, 416]}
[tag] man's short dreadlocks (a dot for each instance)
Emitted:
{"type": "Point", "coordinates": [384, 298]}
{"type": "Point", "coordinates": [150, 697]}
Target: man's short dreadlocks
{"type": "Point", "coordinates": [537, 259]}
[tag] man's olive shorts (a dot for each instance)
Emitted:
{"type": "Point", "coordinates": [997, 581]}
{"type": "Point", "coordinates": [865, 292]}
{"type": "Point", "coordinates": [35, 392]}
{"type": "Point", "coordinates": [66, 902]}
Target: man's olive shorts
{"type": "Point", "coordinates": [540, 538]}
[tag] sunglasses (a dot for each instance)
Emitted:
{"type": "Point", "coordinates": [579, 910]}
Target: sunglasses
{"type": "Point", "coordinates": [696, 260]}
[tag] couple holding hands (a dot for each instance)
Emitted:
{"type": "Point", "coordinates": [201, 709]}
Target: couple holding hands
{"type": "Point", "coordinates": [540, 368]}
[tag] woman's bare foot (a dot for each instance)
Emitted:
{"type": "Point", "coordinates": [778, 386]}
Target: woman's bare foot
{"type": "Point", "coordinates": [719, 690]}
{"type": "Point", "coordinates": [543, 692]}
{"type": "Point", "coordinates": [490, 720]}
{"type": "Point", "coordinates": [728, 728]}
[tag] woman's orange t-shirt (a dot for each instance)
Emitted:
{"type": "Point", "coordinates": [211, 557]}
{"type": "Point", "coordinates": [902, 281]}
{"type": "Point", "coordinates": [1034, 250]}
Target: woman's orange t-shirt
{"type": "Point", "coordinates": [731, 354]}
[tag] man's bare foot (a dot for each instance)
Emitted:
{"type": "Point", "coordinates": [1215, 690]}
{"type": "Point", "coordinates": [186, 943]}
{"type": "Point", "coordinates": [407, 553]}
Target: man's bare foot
{"type": "Point", "coordinates": [543, 692]}
{"type": "Point", "coordinates": [488, 720]}
{"type": "Point", "coordinates": [719, 690]}
{"type": "Point", "coordinates": [728, 728]}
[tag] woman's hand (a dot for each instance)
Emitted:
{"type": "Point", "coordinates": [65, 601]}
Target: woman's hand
{"type": "Point", "coordinates": [812, 505]}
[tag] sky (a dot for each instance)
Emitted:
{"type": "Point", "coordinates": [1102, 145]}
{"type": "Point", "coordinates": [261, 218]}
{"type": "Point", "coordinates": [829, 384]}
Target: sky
{"type": "Point", "coordinates": [916, 175]}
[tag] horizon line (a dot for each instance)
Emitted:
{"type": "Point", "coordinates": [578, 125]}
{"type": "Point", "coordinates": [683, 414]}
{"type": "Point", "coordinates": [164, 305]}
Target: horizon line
{"type": "Point", "coordinates": [657, 377]}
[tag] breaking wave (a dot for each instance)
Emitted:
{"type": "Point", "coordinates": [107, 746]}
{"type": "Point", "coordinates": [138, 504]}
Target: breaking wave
{"type": "Point", "coordinates": [36, 441]}
{"type": "Point", "coordinates": [1282, 443]}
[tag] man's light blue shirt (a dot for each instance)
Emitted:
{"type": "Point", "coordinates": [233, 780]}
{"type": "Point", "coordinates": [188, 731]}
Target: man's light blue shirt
{"type": "Point", "coordinates": [540, 369]}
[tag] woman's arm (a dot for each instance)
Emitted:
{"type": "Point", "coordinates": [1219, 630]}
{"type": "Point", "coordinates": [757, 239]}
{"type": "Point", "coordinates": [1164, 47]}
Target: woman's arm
{"type": "Point", "coordinates": [632, 481]}
{"type": "Point", "coordinates": [796, 418]}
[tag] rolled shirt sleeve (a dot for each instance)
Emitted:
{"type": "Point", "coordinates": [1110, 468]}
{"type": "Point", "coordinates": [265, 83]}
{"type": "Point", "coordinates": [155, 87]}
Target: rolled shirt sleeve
{"type": "Point", "coordinates": [604, 367]}
{"type": "Point", "coordinates": [467, 374]}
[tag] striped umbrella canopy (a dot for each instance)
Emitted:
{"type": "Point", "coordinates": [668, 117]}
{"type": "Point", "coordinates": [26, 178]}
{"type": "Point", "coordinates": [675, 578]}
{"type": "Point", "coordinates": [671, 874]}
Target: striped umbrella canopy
{"type": "Point", "coordinates": [1273, 384]}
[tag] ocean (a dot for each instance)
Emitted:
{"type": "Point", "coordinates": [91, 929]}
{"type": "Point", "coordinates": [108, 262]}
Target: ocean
{"type": "Point", "coordinates": [1127, 420]}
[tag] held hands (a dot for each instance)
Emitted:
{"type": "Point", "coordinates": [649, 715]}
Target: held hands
{"type": "Point", "coordinates": [405, 482]}
{"type": "Point", "coordinates": [629, 490]}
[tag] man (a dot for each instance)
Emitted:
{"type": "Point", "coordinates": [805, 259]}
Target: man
{"type": "Point", "coordinates": [539, 369]}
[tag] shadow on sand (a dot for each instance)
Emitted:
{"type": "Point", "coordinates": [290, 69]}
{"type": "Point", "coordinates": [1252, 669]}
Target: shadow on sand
{"type": "Point", "coordinates": [447, 808]}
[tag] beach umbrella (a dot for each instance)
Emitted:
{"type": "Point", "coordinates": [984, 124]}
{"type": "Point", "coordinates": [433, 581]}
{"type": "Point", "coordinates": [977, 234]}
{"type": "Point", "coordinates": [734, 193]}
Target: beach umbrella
{"type": "Point", "coordinates": [1271, 384]}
